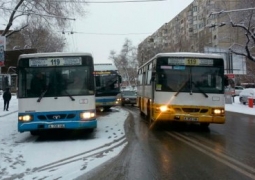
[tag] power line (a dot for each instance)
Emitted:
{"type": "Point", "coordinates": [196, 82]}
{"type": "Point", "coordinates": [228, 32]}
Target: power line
{"type": "Point", "coordinates": [28, 13]}
{"type": "Point", "coordinates": [105, 2]}
{"type": "Point", "coordinates": [114, 34]}
{"type": "Point", "coordinates": [229, 11]}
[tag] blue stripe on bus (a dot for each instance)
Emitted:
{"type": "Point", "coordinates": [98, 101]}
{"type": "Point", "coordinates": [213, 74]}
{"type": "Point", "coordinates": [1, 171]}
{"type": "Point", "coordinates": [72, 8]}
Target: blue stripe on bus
{"type": "Point", "coordinates": [106, 100]}
{"type": "Point", "coordinates": [69, 119]}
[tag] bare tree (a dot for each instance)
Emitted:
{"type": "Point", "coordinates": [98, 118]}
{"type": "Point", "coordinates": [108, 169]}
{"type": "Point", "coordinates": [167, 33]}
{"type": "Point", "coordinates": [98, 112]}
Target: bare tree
{"type": "Point", "coordinates": [126, 61]}
{"type": "Point", "coordinates": [48, 12]}
{"type": "Point", "coordinates": [242, 21]}
{"type": "Point", "coordinates": [38, 37]}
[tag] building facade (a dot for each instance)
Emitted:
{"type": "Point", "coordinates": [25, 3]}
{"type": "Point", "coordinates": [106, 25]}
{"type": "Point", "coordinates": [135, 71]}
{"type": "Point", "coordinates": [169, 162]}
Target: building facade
{"type": "Point", "coordinates": [201, 27]}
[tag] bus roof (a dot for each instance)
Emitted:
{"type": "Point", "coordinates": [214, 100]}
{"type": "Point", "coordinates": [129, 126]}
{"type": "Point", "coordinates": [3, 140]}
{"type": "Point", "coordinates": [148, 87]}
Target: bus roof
{"type": "Point", "coordinates": [186, 54]}
{"type": "Point", "coordinates": [54, 54]}
{"type": "Point", "coordinates": [105, 67]}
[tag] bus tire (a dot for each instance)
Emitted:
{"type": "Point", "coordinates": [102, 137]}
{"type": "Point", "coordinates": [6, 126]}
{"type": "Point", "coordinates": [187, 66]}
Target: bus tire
{"type": "Point", "coordinates": [91, 130]}
{"type": "Point", "coordinates": [107, 108]}
{"type": "Point", "coordinates": [141, 113]}
{"type": "Point", "coordinates": [149, 115]}
{"type": "Point", "coordinates": [34, 133]}
{"type": "Point", "coordinates": [204, 125]}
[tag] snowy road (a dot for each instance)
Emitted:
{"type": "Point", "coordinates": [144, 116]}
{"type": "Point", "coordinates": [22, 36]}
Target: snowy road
{"type": "Point", "coordinates": [59, 155]}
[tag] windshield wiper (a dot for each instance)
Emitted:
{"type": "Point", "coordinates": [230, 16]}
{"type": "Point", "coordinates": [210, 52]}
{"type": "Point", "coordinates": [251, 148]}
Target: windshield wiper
{"type": "Point", "coordinates": [182, 87]}
{"type": "Point", "coordinates": [200, 90]}
{"type": "Point", "coordinates": [71, 97]}
{"type": "Point", "coordinates": [41, 96]}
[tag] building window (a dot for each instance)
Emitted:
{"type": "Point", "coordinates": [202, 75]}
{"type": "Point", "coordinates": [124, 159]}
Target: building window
{"type": "Point", "coordinates": [214, 37]}
{"type": "Point", "coordinates": [201, 25]}
{"type": "Point", "coordinates": [195, 8]}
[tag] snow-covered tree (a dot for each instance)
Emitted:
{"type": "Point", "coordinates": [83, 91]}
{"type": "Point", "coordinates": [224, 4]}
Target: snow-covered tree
{"type": "Point", "coordinates": [241, 18]}
{"type": "Point", "coordinates": [51, 14]}
{"type": "Point", "coordinates": [126, 62]}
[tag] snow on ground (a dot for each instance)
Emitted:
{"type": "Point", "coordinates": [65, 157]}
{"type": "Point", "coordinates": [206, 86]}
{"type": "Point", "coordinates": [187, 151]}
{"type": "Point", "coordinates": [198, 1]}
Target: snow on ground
{"type": "Point", "coordinates": [23, 156]}
{"type": "Point", "coordinates": [26, 157]}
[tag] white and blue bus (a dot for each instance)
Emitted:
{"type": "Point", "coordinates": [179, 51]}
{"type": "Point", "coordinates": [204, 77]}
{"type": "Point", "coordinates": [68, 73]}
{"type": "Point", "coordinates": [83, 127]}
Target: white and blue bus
{"type": "Point", "coordinates": [108, 83]}
{"type": "Point", "coordinates": [183, 87]}
{"type": "Point", "coordinates": [56, 91]}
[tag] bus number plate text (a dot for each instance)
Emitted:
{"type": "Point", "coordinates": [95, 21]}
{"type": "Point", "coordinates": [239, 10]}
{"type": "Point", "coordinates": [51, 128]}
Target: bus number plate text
{"type": "Point", "coordinates": [56, 126]}
{"type": "Point", "coordinates": [190, 119]}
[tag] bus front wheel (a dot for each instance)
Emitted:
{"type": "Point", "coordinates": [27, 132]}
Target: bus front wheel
{"type": "Point", "coordinates": [91, 130]}
{"type": "Point", "coordinates": [149, 118]}
{"type": "Point", "coordinates": [204, 125]}
{"type": "Point", "coordinates": [34, 133]}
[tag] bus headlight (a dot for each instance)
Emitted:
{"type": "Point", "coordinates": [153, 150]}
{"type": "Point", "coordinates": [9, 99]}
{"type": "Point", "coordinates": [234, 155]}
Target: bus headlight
{"type": "Point", "coordinates": [117, 101]}
{"type": "Point", "coordinates": [87, 115]}
{"type": "Point", "coordinates": [218, 111]}
{"type": "Point", "coordinates": [25, 118]}
{"type": "Point", "coordinates": [163, 108]}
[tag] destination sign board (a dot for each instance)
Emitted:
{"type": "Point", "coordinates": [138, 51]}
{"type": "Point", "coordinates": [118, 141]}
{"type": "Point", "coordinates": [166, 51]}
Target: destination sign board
{"type": "Point", "coordinates": [55, 61]}
{"type": "Point", "coordinates": [190, 61]}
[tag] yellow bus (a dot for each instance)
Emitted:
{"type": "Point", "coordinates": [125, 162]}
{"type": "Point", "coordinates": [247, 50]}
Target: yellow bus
{"type": "Point", "coordinates": [183, 87]}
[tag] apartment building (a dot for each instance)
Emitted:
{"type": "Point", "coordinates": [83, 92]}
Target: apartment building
{"type": "Point", "coordinates": [201, 27]}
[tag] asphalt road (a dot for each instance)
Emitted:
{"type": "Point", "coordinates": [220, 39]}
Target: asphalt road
{"type": "Point", "coordinates": [183, 151]}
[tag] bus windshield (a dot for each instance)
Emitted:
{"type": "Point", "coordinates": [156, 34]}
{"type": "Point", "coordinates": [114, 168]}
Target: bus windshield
{"type": "Point", "coordinates": [182, 78]}
{"type": "Point", "coordinates": [107, 84]}
{"type": "Point", "coordinates": [55, 81]}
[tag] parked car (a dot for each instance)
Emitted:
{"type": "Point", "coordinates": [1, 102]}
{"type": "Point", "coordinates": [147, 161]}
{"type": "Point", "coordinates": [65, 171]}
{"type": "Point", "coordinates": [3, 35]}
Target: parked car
{"type": "Point", "coordinates": [238, 89]}
{"type": "Point", "coordinates": [245, 94]}
{"type": "Point", "coordinates": [128, 97]}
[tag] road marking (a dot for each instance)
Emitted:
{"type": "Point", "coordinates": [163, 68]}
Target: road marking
{"type": "Point", "coordinates": [231, 162]}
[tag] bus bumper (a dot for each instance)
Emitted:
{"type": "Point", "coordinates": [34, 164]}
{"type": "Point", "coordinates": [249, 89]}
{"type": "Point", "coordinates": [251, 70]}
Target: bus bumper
{"type": "Point", "coordinates": [42, 125]}
{"type": "Point", "coordinates": [190, 118]}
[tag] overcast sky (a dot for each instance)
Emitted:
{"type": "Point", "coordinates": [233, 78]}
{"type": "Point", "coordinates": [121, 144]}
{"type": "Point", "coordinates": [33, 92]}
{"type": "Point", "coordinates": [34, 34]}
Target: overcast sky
{"type": "Point", "coordinates": [108, 20]}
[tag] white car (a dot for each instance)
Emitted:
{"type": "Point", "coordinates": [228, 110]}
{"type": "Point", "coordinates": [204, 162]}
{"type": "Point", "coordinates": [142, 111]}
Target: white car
{"type": "Point", "coordinates": [238, 89]}
{"type": "Point", "coordinates": [246, 94]}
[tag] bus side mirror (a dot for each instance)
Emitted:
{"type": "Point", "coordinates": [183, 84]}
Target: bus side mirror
{"type": "Point", "coordinates": [226, 82]}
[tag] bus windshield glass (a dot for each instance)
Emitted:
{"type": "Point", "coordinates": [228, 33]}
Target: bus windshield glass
{"type": "Point", "coordinates": [182, 75]}
{"type": "Point", "coordinates": [107, 84]}
{"type": "Point", "coordinates": [55, 81]}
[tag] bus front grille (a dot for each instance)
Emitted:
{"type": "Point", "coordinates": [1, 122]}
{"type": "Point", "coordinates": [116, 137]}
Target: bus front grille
{"type": "Point", "coordinates": [194, 110]}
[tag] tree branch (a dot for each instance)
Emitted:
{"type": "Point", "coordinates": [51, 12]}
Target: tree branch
{"type": "Point", "coordinates": [16, 31]}
{"type": "Point", "coordinates": [11, 18]}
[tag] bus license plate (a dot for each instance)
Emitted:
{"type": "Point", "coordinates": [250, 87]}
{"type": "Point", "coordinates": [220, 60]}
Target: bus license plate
{"type": "Point", "coordinates": [56, 126]}
{"type": "Point", "coordinates": [190, 119]}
